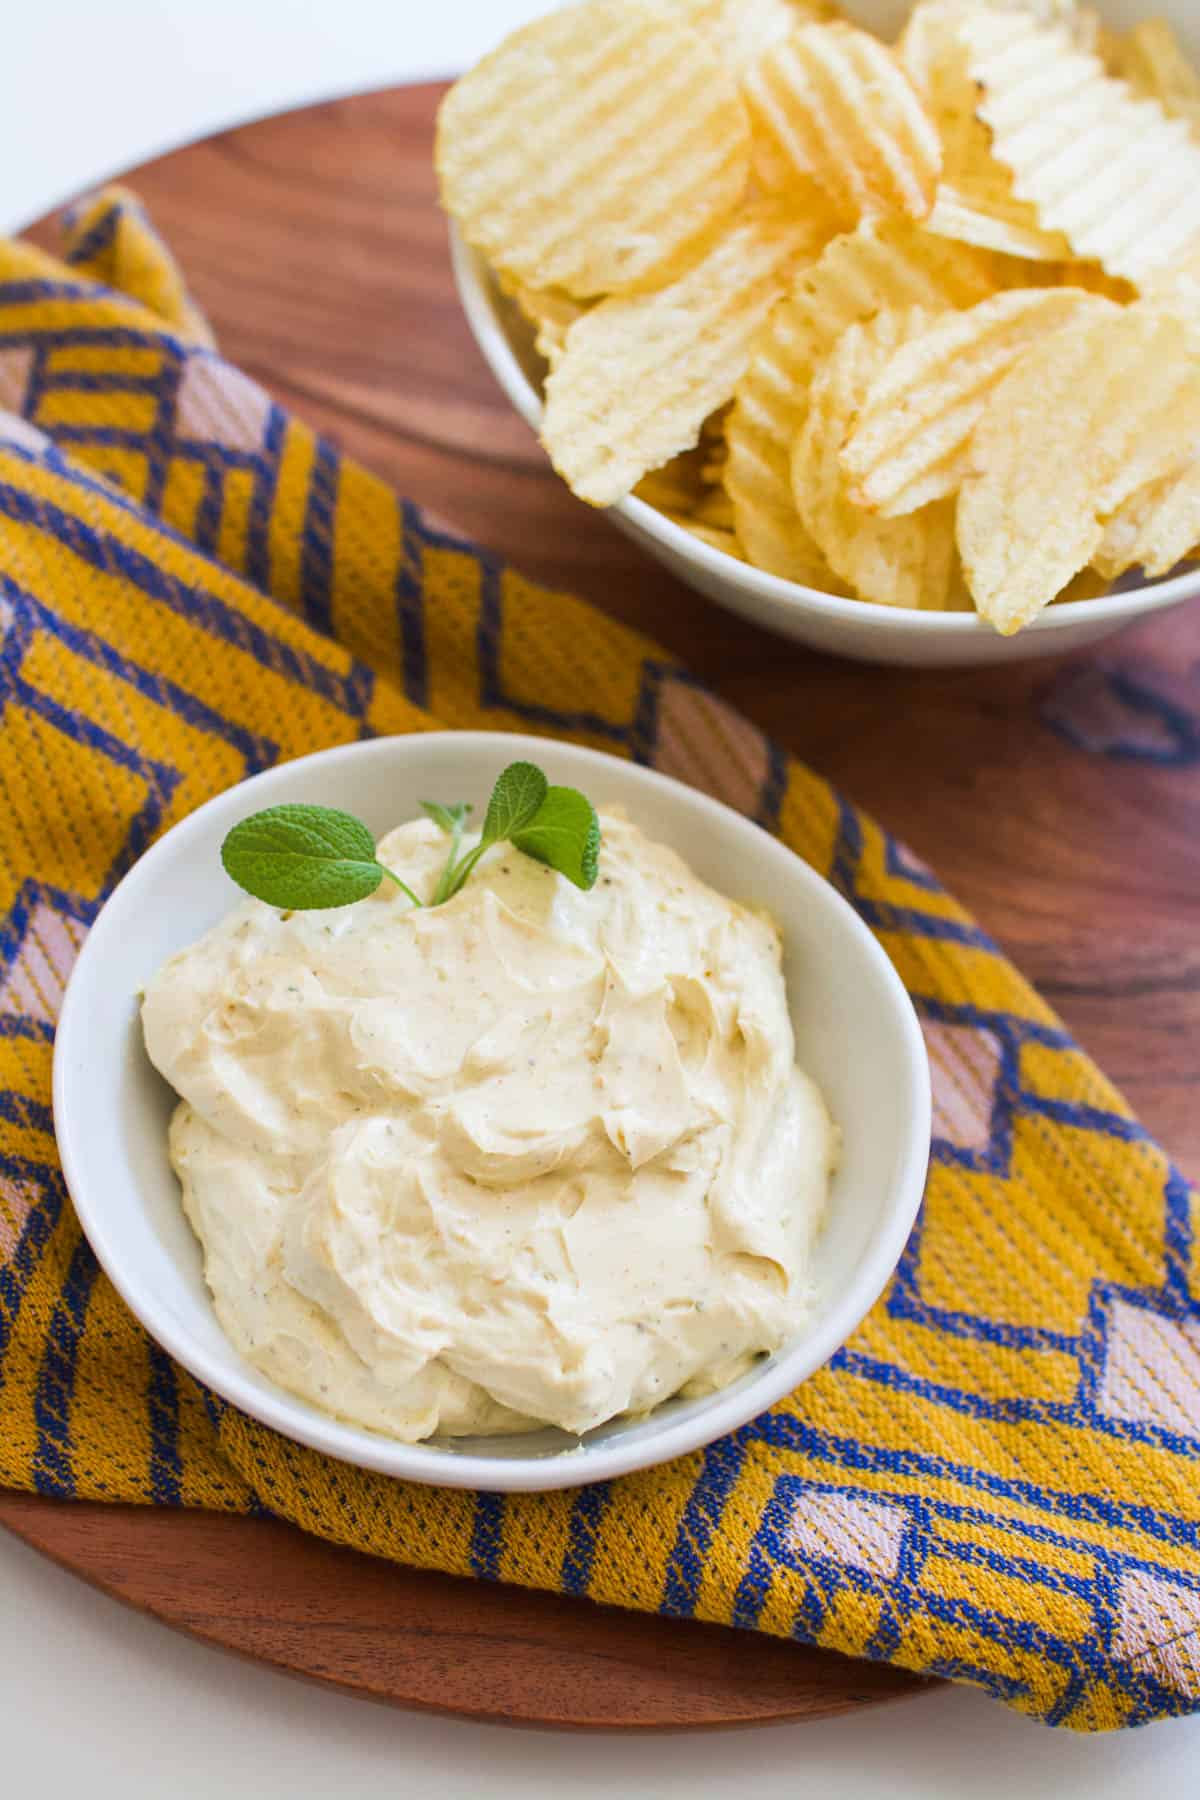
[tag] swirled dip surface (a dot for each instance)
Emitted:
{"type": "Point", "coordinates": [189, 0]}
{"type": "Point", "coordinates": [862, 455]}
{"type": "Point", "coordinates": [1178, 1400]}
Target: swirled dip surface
{"type": "Point", "coordinates": [535, 1154]}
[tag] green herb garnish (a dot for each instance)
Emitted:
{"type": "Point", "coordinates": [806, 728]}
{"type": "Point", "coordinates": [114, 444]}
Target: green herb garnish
{"type": "Point", "coordinates": [452, 820]}
{"type": "Point", "coordinates": [303, 857]}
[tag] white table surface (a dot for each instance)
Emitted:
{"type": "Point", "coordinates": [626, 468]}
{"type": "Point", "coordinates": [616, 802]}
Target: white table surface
{"type": "Point", "coordinates": [96, 1701]}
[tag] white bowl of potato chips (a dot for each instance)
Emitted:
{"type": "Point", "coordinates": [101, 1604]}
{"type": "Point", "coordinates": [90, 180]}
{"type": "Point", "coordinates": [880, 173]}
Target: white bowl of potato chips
{"type": "Point", "coordinates": [890, 344]}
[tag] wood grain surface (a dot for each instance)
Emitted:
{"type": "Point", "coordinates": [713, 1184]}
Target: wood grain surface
{"type": "Point", "coordinates": [269, 1592]}
{"type": "Point", "coordinates": [314, 243]}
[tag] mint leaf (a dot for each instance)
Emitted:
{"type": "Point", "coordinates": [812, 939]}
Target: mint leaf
{"type": "Point", "coordinates": [516, 797]}
{"type": "Point", "coordinates": [450, 818]}
{"type": "Point", "coordinates": [565, 833]}
{"type": "Point", "coordinates": [303, 857]}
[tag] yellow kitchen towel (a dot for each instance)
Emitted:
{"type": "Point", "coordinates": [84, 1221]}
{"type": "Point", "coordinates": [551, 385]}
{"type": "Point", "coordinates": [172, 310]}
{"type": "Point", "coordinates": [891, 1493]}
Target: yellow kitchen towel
{"type": "Point", "coordinates": [995, 1480]}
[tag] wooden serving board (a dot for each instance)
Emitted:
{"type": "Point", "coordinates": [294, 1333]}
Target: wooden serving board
{"type": "Point", "coordinates": [434, 1642]}
{"type": "Point", "coordinates": [1059, 800]}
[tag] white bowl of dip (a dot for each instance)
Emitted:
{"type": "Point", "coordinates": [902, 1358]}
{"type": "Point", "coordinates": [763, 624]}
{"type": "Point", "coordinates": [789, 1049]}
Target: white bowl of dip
{"type": "Point", "coordinates": [856, 1035]}
{"type": "Point", "coordinates": [829, 622]}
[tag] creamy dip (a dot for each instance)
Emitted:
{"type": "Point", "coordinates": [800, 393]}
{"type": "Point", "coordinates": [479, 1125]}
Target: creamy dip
{"type": "Point", "coordinates": [532, 1155]}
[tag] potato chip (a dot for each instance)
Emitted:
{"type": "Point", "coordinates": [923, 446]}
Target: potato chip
{"type": "Point", "coordinates": [909, 442]}
{"type": "Point", "coordinates": [1155, 528]}
{"type": "Point", "coordinates": [929, 39]}
{"type": "Point", "coordinates": [768, 410]}
{"type": "Point", "coordinates": [1114, 174]}
{"type": "Point", "coordinates": [1081, 23]}
{"type": "Point", "coordinates": [1113, 555]}
{"type": "Point", "coordinates": [776, 176]}
{"type": "Point", "coordinates": [1150, 60]}
{"type": "Point", "coordinates": [549, 310]}
{"type": "Point", "coordinates": [893, 264]}
{"type": "Point", "coordinates": [712, 535]}
{"type": "Point", "coordinates": [895, 562]}
{"type": "Point", "coordinates": [1091, 278]}
{"type": "Point", "coordinates": [680, 490]}
{"type": "Point", "coordinates": [677, 487]}
{"type": "Point", "coordinates": [1116, 552]}
{"type": "Point", "coordinates": [595, 149]}
{"type": "Point", "coordinates": [797, 290]}
{"type": "Point", "coordinates": [713, 429]}
{"type": "Point", "coordinates": [1176, 290]}
{"type": "Point", "coordinates": [713, 450]}
{"type": "Point", "coordinates": [971, 219]}
{"type": "Point", "coordinates": [887, 264]}
{"type": "Point", "coordinates": [744, 30]}
{"type": "Point", "coordinates": [715, 509]}
{"type": "Point", "coordinates": [640, 373]}
{"type": "Point", "coordinates": [712, 469]}
{"type": "Point", "coordinates": [754, 27]}
{"type": "Point", "coordinates": [833, 104]}
{"type": "Point", "coordinates": [685, 483]}
{"type": "Point", "coordinates": [1089, 584]}
{"type": "Point", "coordinates": [974, 202]}
{"type": "Point", "coordinates": [958, 597]}
{"type": "Point", "coordinates": [1079, 423]}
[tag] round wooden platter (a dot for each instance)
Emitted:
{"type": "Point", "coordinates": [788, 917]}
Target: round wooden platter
{"type": "Point", "coordinates": [1059, 800]}
{"type": "Point", "coordinates": [503, 1654]}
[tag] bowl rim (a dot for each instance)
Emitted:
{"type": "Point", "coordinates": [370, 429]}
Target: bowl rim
{"type": "Point", "coordinates": [475, 282]}
{"type": "Point", "coordinates": [728, 1409]}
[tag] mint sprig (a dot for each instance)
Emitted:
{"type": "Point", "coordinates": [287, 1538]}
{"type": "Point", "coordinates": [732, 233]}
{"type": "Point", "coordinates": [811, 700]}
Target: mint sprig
{"type": "Point", "coordinates": [302, 858]}
{"type": "Point", "coordinates": [305, 857]}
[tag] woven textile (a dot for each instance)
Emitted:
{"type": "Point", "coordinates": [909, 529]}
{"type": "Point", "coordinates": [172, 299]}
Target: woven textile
{"type": "Point", "coordinates": [996, 1480]}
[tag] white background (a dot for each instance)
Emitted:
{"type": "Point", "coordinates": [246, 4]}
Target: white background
{"type": "Point", "coordinates": [97, 1701]}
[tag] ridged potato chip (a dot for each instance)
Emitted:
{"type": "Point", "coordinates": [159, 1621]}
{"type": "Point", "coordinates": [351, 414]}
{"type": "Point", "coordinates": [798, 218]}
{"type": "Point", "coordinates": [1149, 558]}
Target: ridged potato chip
{"type": "Point", "coordinates": [1176, 290]}
{"type": "Point", "coordinates": [974, 202]}
{"type": "Point", "coordinates": [1150, 60]}
{"type": "Point", "coordinates": [1089, 584]}
{"type": "Point", "coordinates": [797, 291]}
{"type": "Point", "coordinates": [1079, 423]}
{"type": "Point", "coordinates": [1092, 279]}
{"type": "Point", "coordinates": [973, 218]}
{"type": "Point", "coordinates": [1114, 174]}
{"type": "Point", "coordinates": [713, 535]}
{"type": "Point", "coordinates": [1155, 528]}
{"type": "Point", "coordinates": [640, 373]}
{"type": "Point", "coordinates": [595, 149]}
{"type": "Point", "coordinates": [678, 486]}
{"type": "Point", "coordinates": [550, 311]}
{"type": "Point", "coordinates": [749, 28]}
{"type": "Point", "coordinates": [909, 443]}
{"type": "Point", "coordinates": [716, 509]}
{"type": "Point", "coordinates": [894, 264]}
{"type": "Point", "coordinates": [888, 264]}
{"type": "Point", "coordinates": [1116, 552]}
{"type": "Point", "coordinates": [745, 29]}
{"type": "Point", "coordinates": [1081, 23]}
{"type": "Point", "coordinates": [768, 410]}
{"type": "Point", "coordinates": [686, 483]}
{"type": "Point", "coordinates": [894, 562]}
{"type": "Point", "coordinates": [677, 490]}
{"type": "Point", "coordinates": [929, 46]}
{"type": "Point", "coordinates": [712, 441]}
{"type": "Point", "coordinates": [833, 105]}
{"type": "Point", "coordinates": [712, 469]}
